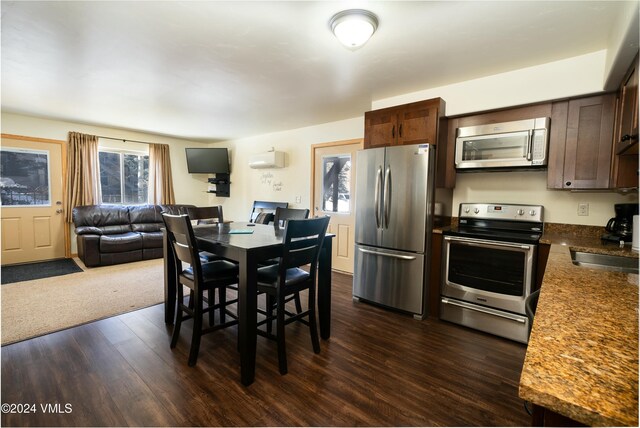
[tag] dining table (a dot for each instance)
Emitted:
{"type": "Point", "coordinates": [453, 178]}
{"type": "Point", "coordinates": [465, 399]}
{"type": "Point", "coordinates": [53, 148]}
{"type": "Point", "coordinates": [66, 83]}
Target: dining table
{"type": "Point", "coordinates": [247, 244]}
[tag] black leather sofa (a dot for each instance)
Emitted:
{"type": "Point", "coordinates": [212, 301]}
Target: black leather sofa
{"type": "Point", "coordinates": [112, 234]}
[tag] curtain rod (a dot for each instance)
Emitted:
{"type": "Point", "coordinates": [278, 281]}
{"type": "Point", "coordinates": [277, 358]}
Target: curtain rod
{"type": "Point", "coordinates": [124, 140]}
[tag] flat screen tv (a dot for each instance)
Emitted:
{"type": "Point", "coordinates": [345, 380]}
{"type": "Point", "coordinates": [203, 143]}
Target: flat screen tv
{"type": "Point", "coordinates": [207, 161]}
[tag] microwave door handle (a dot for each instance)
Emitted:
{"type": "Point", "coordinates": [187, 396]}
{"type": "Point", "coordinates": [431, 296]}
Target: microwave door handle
{"type": "Point", "coordinates": [376, 197]}
{"type": "Point", "coordinates": [530, 146]}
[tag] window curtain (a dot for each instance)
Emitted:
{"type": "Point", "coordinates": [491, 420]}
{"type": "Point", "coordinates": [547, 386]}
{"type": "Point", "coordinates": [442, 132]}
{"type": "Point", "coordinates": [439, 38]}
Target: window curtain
{"type": "Point", "coordinates": [160, 180]}
{"type": "Point", "coordinates": [83, 178]}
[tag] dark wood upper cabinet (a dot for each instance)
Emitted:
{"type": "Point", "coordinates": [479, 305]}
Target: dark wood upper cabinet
{"type": "Point", "coordinates": [580, 144]}
{"type": "Point", "coordinates": [626, 136]}
{"type": "Point", "coordinates": [624, 168]}
{"type": "Point", "coordinates": [422, 122]}
{"type": "Point", "coordinates": [414, 123]}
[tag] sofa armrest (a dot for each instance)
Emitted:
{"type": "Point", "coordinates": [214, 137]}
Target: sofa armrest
{"type": "Point", "coordinates": [88, 230]}
{"type": "Point", "coordinates": [89, 249]}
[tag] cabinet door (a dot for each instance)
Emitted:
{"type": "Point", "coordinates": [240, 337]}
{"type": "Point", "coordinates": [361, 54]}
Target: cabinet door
{"type": "Point", "coordinates": [589, 139]}
{"type": "Point", "coordinates": [418, 125]}
{"type": "Point", "coordinates": [627, 128]}
{"type": "Point", "coordinates": [380, 128]}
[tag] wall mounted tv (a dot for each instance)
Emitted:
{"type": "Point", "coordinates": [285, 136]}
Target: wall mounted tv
{"type": "Point", "coordinates": [207, 161]}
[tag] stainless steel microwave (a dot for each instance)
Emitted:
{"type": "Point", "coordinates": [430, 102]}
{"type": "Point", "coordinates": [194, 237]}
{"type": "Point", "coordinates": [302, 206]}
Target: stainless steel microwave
{"type": "Point", "coordinates": [521, 143]}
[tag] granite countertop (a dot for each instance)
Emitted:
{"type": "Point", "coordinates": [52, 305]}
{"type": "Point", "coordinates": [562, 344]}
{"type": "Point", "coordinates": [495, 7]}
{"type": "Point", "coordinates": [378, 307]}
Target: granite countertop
{"type": "Point", "coordinates": [582, 357]}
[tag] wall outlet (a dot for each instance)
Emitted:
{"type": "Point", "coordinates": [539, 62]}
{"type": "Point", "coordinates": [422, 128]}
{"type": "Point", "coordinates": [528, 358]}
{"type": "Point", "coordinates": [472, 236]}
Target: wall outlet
{"type": "Point", "coordinates": [583, 209]}
{"type": "Point", "coordinates": [298, 199]}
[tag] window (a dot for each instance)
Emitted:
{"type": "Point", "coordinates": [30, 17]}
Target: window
{"type": "Point", "coordinates": [336, 183]}
{"type": "Point", "coordinates": [24, 177]}
{"type": "Point", "coordinates": [124, 177]}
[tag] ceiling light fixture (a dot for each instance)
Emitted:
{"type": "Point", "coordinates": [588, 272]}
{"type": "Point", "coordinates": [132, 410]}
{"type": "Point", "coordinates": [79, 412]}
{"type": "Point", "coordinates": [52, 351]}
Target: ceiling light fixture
{"type": "Point", "coordinates": [353, 27]}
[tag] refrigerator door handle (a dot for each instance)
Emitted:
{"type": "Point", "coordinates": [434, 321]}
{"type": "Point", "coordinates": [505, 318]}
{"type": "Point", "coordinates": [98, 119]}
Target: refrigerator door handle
{"type": "Point", "coordinates": [376, 197]}
{"type": "Point", "coordinates": [387, 196]}
{"type": "Point", "coordinates": [393, 256]}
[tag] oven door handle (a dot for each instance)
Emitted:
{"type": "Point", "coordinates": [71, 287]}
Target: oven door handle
{"type": "Point", "coordinates": [483, 310]}
{"type": "Point", "coordinates": [484, 244]}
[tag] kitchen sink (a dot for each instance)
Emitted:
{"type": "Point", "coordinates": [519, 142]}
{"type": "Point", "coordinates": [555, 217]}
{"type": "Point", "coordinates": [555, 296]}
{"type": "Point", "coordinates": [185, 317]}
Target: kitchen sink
{"type": "Point", "coordinates": [605, 261]}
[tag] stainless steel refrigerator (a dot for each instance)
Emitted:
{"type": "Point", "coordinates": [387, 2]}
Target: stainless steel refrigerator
{"type": "Point", "coordinates": [394, 217]}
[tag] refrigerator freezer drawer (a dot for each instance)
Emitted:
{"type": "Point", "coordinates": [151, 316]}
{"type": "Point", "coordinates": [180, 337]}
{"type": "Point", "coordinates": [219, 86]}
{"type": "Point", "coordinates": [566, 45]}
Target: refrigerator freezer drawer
{"type": "Point", "coordinates": [500, 323]}
{"type": "Point", "coordinates": [390, 278]}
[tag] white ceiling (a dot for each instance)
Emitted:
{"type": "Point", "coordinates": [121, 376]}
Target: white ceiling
{"type": "Point", "coordinates": [224, 70]}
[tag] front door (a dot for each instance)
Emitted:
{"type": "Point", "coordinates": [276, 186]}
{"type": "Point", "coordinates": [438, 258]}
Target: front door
{"type": "Point", "coordinates": [31, 180]}
{"type": "Point", "coordinates": [334, 195]}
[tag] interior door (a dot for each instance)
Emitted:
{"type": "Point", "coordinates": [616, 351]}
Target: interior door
{"type": "Point", "coordinates": [334, 195]}
{"type": "Point", "coordinates": [32, 220]}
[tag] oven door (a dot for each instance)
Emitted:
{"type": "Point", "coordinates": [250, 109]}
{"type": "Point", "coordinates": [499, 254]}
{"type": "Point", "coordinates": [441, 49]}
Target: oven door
{"type": "Point", "coordinates": [489, 273]}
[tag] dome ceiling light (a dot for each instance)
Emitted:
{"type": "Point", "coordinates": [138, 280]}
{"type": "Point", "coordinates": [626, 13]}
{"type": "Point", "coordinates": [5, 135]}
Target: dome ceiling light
{"type": "Point", "coordinates": [353, 27]}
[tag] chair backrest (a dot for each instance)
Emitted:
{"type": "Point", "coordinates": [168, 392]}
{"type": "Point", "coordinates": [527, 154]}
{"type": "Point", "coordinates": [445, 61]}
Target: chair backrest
{"type": "Point", "coordinates": [205, 215]}
{"type": "Point", "coordinates": [182, 241]}
{"type": "Point", "coordinates": [265, 206]}
{"type": "Point", "coordinates": [302, 243]}
{"type": "Point", "coordinates": [284, 214]}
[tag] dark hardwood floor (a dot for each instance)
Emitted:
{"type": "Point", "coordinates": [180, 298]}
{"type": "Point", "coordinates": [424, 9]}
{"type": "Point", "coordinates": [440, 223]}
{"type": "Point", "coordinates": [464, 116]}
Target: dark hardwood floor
{"type": "Point", "coordinates": [379, 368]}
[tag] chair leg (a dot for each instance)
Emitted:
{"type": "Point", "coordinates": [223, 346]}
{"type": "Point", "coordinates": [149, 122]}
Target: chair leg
{"type": "Point", "coordinates": [211, 296]}
{"type": "Point", "coordinates": [269, 309]}
{"type": "Point", "coordinates": [178, 322]}
{"type": "Point", "coordinates": [197, 329]}
{"type": "Point", "coordinates": [282, 349]}
{"type": "Point", "coordinates": [313, 327]}
{"type": "Point", "coordinates": [296, 299]}
{"type": "Point", "coordinates": [190, 299]}
{"type": "Point", "coordinates": [222, 299]}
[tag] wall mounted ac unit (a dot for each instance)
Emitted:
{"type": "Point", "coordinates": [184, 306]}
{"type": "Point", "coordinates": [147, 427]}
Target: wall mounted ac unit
{"type": "Point", "coordinates": [267, 160]}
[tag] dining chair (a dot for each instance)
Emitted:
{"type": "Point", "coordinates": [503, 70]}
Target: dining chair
{"type": "Point", "coordinates": [206, 215]}
{"type": "Point", "coordinates": [301, 246]}
{"type": "Point", "coordinates": [283, 214]}
{"type": "Point", "coordinates": [198, 277]}
{"type": "Point", "coordinates": [262, 209]}
{"type": "Point", "coordinates": [281, 217]}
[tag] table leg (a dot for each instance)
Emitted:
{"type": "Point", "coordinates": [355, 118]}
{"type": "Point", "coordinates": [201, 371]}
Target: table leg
{"type": "Point", "coordinates": [247, 316]}
{"type": "Point", "coordinates": [324, 288]}
{"type": "Point", "coordinates": [169, 280]}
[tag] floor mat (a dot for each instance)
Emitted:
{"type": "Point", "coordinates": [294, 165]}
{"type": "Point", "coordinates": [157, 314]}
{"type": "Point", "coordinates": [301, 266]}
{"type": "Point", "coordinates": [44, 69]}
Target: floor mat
{"type": "Point", "coordinates": [29, 271]}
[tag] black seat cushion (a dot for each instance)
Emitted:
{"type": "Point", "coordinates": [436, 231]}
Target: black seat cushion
{"type": "Point", "coordinates": [207, 257]}
{"type": "Point", "coordinates": [268, 275]}
{"type": "Point", "coordinates": [219, 269]}
{"type": "Point", "coordinates": [120, 242]}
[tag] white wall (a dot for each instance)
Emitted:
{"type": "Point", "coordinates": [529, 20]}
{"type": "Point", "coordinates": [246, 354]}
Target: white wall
{"type": "Point", "coordinates": [281, 184]}
{"type": "Point", "coordinates": [527, 187]}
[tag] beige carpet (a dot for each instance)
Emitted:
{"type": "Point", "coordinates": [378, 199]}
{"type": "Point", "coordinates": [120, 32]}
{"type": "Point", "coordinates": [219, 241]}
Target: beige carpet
{"type": "Point", "coordinates": [41, 306]}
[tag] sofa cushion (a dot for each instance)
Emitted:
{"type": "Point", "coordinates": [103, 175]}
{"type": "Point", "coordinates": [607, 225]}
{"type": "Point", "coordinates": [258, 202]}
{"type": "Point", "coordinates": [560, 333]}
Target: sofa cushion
{"type": "Point", "coordinates": [151, 239]}
{"type": "Point", "coordinates": [109, 219]}
{"type": "Point", "coordinates": [145, 218]}
{"type": "Point", "coordinates": [120, 243]}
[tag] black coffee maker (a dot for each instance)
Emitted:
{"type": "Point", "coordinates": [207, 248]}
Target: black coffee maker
{"type": "Point", "coordinates": [620, 228]}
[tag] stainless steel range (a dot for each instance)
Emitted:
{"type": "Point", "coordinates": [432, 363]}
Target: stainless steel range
{"type": "Point", "coordinates": [488, 267]}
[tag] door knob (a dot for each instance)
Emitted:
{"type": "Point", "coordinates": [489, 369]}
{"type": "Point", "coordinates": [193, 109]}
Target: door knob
{"type": "Point", "coordinates": [59, 211]}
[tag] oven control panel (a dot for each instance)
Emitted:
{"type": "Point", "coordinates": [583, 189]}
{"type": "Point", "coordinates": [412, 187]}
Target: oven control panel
{"type": "Point", "coordinates": [517, 212]}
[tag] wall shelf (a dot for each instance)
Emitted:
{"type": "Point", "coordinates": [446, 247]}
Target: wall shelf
{"type": "Point", "coordinates": [223, 185]}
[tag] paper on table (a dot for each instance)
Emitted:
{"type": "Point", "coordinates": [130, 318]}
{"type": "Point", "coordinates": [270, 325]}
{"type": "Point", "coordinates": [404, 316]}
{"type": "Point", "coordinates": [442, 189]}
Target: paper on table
{"type": "Point", "coordinates": [240, 231]}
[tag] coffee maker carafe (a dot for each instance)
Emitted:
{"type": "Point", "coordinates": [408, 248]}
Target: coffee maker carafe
{"type": "Point", "coordinates": [620, 228]}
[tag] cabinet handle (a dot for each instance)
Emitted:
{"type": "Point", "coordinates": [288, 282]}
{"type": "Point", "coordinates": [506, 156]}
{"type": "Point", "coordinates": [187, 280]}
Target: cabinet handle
{"type": "Point", "coordinates": [400, 131]}
{"type": "Point", "coordinates": [568, 183]}
{"type": "Point", "coordinates": [393, 132]}
{"type": "Point", "coordinates": [625, 137]}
